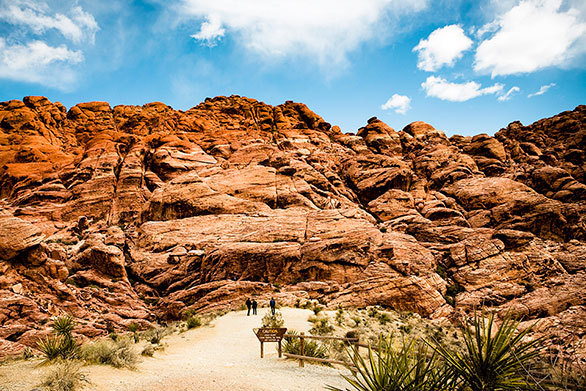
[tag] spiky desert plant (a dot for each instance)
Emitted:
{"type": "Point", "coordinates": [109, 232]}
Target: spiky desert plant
{"type": "Point", "coordinates": [494, 357]}
{"type": "Point", "coordinates": [63, 325]}
{"type": "Point", "coordinates": [407, 366]}
{"type": "Point", "coordinates": [311, 348]}
{"type": "Point", "coordinates": [50, 346]}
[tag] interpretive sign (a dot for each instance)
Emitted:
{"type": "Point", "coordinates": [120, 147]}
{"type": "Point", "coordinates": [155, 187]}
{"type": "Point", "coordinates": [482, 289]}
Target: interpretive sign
{"type": "Point", "coordinates": [270, 334]}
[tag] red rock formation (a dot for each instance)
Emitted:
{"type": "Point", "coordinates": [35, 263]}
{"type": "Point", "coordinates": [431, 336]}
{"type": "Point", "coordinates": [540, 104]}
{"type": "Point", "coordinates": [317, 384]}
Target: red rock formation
{"type": "Point", "coordinates": [133, 214]}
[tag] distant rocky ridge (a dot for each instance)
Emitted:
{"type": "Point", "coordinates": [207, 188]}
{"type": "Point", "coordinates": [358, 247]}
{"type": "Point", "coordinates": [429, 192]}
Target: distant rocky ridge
{"type": "Point", "coordinates": [135, 214]}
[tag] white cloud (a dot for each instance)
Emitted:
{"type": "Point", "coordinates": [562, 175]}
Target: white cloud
{"type": "Point", "coordinates": [77, 27]}
{"type": "Point", "coordinates": [542, 90]}
{"type": "Point", "coordinates": [457, 92]}
{"type": "Point", "coordinates": [509, 93]}
{"type": "Point", "coordinates": [443, 47]}
{"type": "Point", "coordinates": [35, 61]}
{"type": "Point", "coordinates": [400, 103]}
{"type": "Point", "coordinates": [533, 35]}
{"type": "Point", "coordinates": [324, 30]}
{"type": "Point", "coordinates": [210, 32]}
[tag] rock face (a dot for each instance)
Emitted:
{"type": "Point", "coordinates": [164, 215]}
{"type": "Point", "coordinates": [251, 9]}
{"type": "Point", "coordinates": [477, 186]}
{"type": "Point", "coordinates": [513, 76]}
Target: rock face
{"type": "Point", "coordinates": [135, 214]}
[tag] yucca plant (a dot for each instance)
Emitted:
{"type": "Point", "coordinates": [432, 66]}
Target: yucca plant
{"type": "Point", "coordinates": [63, 325]}
{"type": "Point", "coordinates": [494, 357]}
{"type": "Point", "coordinates": [410, 366]}
{"type": "Point", "coordinates": [50, 347]}
{"type": "Point", "coordinates": [62, 344]}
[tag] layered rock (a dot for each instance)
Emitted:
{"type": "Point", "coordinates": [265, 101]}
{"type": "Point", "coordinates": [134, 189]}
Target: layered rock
{"type": "Point", "coordinates": [135, 214]}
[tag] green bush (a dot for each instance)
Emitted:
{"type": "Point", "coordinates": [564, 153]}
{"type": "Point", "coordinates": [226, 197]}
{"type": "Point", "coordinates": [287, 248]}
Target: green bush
{"type": "Point", "coordinates": [270, 320]}
{"type": "Point", "coordinates": [339, 316]}
{"type": "Point", "coordinates": [311, 348]}
{"type": "Point", "coordinates": [133, 327]}
{"type": "Point", "coordinates": [322, 327]}
{"type": "Point", "coordinates": [384, 318]}
{"type": "Point", "coordinates": [193, 322]}
{"type": "Point", "coordinates": [317, 309]}
{"type": "Point", "coordinates": [106, 352]}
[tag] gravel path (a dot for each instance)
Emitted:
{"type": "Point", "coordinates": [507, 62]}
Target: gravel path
{"type": "Point", "coordinates": [223, 357]}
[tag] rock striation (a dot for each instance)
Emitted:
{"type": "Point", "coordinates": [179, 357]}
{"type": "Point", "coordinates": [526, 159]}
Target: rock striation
{"type": "Point", "coordinates": [138, 213]}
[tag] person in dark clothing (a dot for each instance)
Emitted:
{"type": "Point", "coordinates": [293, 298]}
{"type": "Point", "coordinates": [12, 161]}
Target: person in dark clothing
{"type": "Point", "coordinates": [272, 303]}
{"type": "Point", "coordinates": [248, 305]}
{"type": "Point", "coordinates": [254, 305]}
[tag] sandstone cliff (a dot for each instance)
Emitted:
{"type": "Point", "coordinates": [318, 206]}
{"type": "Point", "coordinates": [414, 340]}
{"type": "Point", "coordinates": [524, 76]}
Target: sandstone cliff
{"type": "Point", "coordinates": [135, 214]}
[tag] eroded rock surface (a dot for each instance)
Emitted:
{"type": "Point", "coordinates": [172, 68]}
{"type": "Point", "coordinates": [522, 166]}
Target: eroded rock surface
{"type": "Point", "coordinates": [136, 214]}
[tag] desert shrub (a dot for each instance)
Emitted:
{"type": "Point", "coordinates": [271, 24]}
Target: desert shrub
{"type": "Point", "coordinates": [372, 312]}
{"type": "Point", "coordinates": [409, 366]}
{"type": "Point", "coordinates": [193, 322]}
{"type": "Point", "coordinates": [307, 305]}
{"type": "Point", "coordinates": [148, 351]}
{"type": "Point", "coordinates": [113, 336]}
{"type": "Point", "coordinates": [356, 320]}
{"type": "Point", "coordinates": [322, 327]}
{"type": "Point", "coordinates": [155, 335]}
{"type": "Point", "coordinates": [384, 318]}
{"type": "Point", "coordinates": [133, 327]}
{"type": "Point", "coordinates": [317, 309]}
{"type": "Point", "coordinates": [494, 357]}
{"type": "Point", "coordinates": [297, 303]}
{"type": "Point", "coordinates": [66, 376]}
{"type": "Point", "coordinates": [270, 320]}
{"type": "Point", "coordinates": [339, 316]}
{"type": "Point", "coordinates": [105, 352]}
{"type": "Point", "coordinates": [406, 328]}
{"type": "Point", "coordinates": [311, 348]}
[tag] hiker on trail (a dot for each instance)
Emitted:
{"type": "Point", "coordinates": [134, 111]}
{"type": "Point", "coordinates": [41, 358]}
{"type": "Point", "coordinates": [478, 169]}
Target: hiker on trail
{"type": "Point", "coordinates": [254, 305]}
{"type": "Point", "coordinates": [272, 303]}
{"type": "Point", "coordinates": [248, 304]}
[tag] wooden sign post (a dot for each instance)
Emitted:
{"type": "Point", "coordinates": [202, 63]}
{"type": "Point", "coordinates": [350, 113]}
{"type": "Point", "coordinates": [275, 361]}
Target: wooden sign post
{"type": "Point", "coordinates": [270, 334]}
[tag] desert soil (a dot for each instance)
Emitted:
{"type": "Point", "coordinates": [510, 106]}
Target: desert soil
{"type": "Point", "coordinates": [225, 356]}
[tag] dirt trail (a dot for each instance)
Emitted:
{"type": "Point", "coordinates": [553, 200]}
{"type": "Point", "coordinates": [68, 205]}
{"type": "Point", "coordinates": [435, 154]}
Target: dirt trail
{"type": "Point", "coordinates": [223, 357]}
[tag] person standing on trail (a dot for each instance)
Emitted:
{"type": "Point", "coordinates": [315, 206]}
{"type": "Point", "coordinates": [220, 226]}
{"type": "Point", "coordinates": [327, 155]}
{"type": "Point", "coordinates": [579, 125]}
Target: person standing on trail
{"type": "Point", "coordinates": [248, 304]}
{"type": "Point", "coordinates": [254, 305]}
{"type": "Point", "coordinates": [272, 303]}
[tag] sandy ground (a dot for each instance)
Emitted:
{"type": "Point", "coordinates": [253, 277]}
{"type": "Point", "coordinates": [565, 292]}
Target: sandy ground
{"type": "Point", "coordinates": [225, 356]}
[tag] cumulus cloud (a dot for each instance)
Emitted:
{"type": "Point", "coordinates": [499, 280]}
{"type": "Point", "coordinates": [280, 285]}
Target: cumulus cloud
{"type": "Point", "coordinates": [438, 87]}
{"type": "Point", "coordinates": [443, 47]}
{"type": "Point", "coordinates": [509, 93]}
{"type": "Point", "coordinates": [326, 30]}
{"type": "Point", "coordinates": [24, 57]}
{"type": "Point", "coordinates": [532, 35]}
{"type": "Point", "coordinates": [77, 27]}
{"type": "Point", "coordinates": [542, 90]}
{"type": "Point", "coordinates": [210, 32]}
{"type": "Point", "coordinates": [32, 62]}
{"type": "Point", "coordinates": [400, 103]}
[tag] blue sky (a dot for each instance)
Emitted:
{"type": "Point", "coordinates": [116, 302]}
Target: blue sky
{"type": "Point", "coordinates": [466, 67]}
